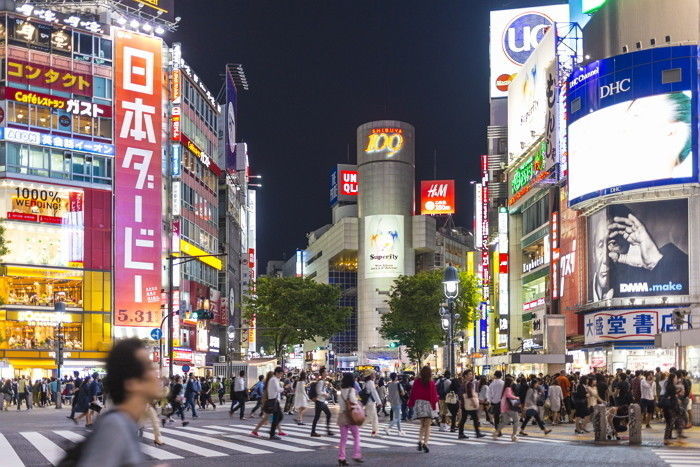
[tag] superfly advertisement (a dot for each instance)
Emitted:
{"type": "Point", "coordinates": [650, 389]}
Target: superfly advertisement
{"type": "Point", "coordinates": [138, 85]}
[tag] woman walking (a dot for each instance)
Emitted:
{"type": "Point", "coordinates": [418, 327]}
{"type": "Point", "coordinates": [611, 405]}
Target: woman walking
{"type": "Point", "coordinates": [348, 399]}
{"type": "Point", "coordinates": [470, 405]}
{"type": "Point", "coordinates": [510, 409]}
{"type": "Point", "coordinates": [580, 398]}
{"type": "Point", "coordinates": [371, 405]}
{"type": "Point", "coordinates": [484, 398]}
{"type": "Point", "coordinates": [670, 404]}
{"type": "Point", "coordinates": [395, 394]}
{"type": "Point", "coordinates": [424, 399]}
{"type": "Point", "coordinates": [555, 398]}
{"type": "Point", "coordinates": [301, 399]}
{"type": "Point", "coordinates": [531, 407]}
{"type": "Point", "coordinates": [176, 398]}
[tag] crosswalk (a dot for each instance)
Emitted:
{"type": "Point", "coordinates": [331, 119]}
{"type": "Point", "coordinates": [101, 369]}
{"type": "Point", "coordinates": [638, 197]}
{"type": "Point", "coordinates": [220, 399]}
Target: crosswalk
{"type": "Point", "coordinates": [45, 448]}
{"type": "Point", "coordinates": [678, 457]}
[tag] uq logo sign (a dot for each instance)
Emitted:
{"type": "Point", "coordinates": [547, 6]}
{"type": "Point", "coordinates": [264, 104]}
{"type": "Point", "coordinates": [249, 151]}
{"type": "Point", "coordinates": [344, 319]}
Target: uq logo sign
{"type": "Point", "coordinates": [389, 140]}
{"type": "Point", "coordinates": [522, 35]}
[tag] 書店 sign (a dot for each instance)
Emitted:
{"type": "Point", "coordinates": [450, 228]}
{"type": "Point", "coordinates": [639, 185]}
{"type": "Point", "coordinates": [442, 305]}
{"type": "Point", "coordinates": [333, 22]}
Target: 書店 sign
{"type": "Point", "coordinates": [626, 325]}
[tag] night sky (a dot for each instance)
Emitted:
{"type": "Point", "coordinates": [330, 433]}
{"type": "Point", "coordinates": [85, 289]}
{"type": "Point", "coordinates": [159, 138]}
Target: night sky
{"type": "Point", "coordinates": [319, 68]}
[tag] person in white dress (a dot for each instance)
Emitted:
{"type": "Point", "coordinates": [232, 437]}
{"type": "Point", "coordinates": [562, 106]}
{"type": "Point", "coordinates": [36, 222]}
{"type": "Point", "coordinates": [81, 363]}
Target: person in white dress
{"type": "Point", "coordinates": [555, 397]}
{"type": "Point", "coordinates": [301, 399]}
{"type": "Point", "coordinates": [371, 407]}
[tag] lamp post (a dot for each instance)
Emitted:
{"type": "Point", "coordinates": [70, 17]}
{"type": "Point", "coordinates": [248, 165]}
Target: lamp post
{"type": "Point", "coordinates": [450, 282]}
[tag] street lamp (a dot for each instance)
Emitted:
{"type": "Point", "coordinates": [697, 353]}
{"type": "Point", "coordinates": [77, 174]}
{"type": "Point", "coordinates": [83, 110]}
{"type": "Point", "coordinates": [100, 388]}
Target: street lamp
{"type": "Point", "coordinates": [450, 282]}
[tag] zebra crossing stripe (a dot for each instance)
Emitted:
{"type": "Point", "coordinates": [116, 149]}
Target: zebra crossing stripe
{"type": "Point", "coordinates": [290, 439]}
{"type": "Point", "coordinates": [9, 456]}
{"type": "Point", "coordinates": [216, 442]}
{"type": "Point", "coordinates": [266, 442]}
{"type": "Point", "coordinates": [152, 451]}
{"type": "Point", "coordinates": [200, 430]}
{"type": "Point", "coordinates": [402, 442]}
{"type": "Point", "coordinates": [52, 452]}
{"type": "Point", "coordinates": [335, 438]}
{"type": "Point", "coordinates": [204, 452]}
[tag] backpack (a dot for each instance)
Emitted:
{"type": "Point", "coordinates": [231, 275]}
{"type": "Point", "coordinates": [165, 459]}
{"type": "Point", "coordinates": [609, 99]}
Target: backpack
{"type": "Point", "coordinates": [441, 388]}
{"type": "Point", "coordinates": [354, 413]}
{"type": "Point", "coordinates": [365, 396]}
{"type": "Point", "coordinates": [313, 390]}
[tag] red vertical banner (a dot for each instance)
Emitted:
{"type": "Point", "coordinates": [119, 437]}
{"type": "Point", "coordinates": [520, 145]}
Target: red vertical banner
{"type": "Point", "coordinates": [138, 114]}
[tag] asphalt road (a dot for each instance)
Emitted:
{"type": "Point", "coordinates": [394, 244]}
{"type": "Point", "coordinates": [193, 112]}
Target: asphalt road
{"type": "Point", "coordinates": [40, 436]}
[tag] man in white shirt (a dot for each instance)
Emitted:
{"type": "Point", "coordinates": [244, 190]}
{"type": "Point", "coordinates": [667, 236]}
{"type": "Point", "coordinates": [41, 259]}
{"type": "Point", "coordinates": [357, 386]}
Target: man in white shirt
{"type": "Point", "coordinates": [495, 393]}
{"type": "Point", "coordinates": [238, 395]}
{"type": "Point", "coordinates": [648, 398]}
{"type": "Point", "coordinates": [319, 397]}
{"type": "Point", "coordinates": [274, 393]}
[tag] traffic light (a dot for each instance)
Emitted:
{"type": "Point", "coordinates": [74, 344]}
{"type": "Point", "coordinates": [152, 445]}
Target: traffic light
{"type": "Point", "coordinates": [393, 345]}
{"type": "Point", "coordinates": [202, 314]}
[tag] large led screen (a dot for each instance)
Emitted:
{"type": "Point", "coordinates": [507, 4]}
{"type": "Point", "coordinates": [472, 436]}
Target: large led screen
{"type": "Point", "coordinates": [638, 249]}
{"type": "Point", "coordinates": [632, 144]}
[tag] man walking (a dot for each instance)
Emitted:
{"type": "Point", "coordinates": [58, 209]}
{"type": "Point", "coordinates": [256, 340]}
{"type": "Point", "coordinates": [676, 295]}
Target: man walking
{"type": "Point", "coordinates": [22, 393]}
{"type": "Point", "coordinates": [495, 393]}
{"type": "Point", "coordinates": [274, 393]}
{"type": "Point", "coordinates": [191, 394]}
{"type": "Point", "coordinates": [257, 393]}
{"type": "Point", "coordinates": [238, 395]}
{"type": "Point", "coordinates": [318, 394]}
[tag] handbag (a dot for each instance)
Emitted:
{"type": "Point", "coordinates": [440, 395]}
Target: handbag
{"type": "Point", "coordinates": [422, 409]}
{"type": "Point", "coordinates": [270, 405]}
{"type": "Point", "coordinates": [354, 412]}
{"type": "Point", "coordinates": [451, 398]}
{"type": "Point", "coordinates": [514, 404]}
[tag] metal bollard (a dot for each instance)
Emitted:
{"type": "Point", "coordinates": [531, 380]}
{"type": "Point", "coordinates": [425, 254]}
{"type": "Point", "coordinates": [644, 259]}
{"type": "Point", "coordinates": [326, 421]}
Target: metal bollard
{"type": "Point", "coordinates": [600, 423]}
{"type": "Point", "coordinates": [635, 425]}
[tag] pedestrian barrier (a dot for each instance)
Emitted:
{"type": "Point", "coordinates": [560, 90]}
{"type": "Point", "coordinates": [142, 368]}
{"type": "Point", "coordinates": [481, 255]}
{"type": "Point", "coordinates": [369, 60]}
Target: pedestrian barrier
{"type": "Point", "coordinates": [603, 424]}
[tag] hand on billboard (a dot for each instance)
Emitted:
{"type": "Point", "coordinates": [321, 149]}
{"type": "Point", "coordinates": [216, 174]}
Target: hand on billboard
{"type": "Point", "coordinates": [642, 252]}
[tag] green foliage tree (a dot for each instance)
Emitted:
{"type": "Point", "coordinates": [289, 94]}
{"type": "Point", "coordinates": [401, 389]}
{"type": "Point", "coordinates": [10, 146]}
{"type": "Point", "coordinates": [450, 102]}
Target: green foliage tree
{"type": "Point", "coordinates": [414, 316]}
{"type": "Point", "coordinates": [291, 310]}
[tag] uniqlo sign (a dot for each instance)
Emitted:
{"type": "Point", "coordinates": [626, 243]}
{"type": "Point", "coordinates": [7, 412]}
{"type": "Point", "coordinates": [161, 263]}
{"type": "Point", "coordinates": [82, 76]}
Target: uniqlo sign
{"type": "Point", "coordinates": [348, 185]}
{"type": "Point", "coordinates": [437, 197]}
{"type": "Point", "coordinates": [138, 87]}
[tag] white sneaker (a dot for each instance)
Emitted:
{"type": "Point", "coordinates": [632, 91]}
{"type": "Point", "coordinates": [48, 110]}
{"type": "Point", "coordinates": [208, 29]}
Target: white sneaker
{"type": "Point", "coordinates": [386, 430]}
{"type": "Point", "coordinates": [402, 433]}
{"type": "Point", "coordinates": [513, 438]}
{"type": "Point", "coordinates": [443, 427]}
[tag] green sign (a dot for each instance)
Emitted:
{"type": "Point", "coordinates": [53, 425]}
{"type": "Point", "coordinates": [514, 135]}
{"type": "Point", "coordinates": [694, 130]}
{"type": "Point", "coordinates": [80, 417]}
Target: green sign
{"type": "Point", "coordinates": [529, 169]}
{"type": "Point", "coordinates": [589, 6]}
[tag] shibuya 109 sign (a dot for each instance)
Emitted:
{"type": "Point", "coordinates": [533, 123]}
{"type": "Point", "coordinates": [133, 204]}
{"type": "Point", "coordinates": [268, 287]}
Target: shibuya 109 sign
{"type": "Point", "coordinates": [138, 78]}
{"type": "Point", "coordinates": [385, 140]}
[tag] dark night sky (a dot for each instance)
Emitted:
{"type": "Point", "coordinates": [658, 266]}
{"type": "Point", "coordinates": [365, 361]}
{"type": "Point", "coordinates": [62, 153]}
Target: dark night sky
{"type": "Point", "coordinates": [319, 68]}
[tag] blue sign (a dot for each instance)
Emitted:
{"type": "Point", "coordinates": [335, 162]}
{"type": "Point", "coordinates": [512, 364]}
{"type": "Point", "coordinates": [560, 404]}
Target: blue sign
{"type": "Point", "coordinates": [156, 334]}
{"type": "Point", "coordinates": [185, 368]}
{"type": "Point", "coordinates": [523, 34]}
{"type": "Point", "coordinates": [55, 141]}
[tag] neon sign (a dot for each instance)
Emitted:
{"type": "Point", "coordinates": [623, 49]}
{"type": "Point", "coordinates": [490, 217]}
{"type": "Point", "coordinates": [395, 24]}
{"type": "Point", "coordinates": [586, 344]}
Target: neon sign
{"type": "Point", "coordinates": [526, 172]}
{"type": "Point", "coordinates": [389, 140]}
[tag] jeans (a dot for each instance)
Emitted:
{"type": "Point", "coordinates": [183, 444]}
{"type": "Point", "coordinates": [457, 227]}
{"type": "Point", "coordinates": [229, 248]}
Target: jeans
{"type": "Point", "coordinates": [319, 407]}
{"type": "Point", "coordinates": [357, 448]}
{"type": "Point", "coordinates": [396, 416]}
{"type": "Point", "coordinates": [509, 416]}
{"type": "Point", "coordinates": [496, 412]}
{"type": "Point", "coordinates": [277, 417]}
{"type": "Point", "coordinates": [258, 404]}
{"type": "Point", "coordinates": [474, 414]}
{"type": "Point", "coordinates": [238, 398]}
{"type": "Point", "coordinates": [191, 403]}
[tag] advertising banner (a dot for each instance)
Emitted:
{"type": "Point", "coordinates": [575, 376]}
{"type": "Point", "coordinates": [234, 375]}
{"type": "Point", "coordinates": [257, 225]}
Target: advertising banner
{"type": "Point", "coordinates": [437, 197]}
{"type": "Point", "coordinates": [164, 9]}
{"type": "Point", "coordinates": [70, 106]}
{"type": "Point", "coordinates": [49, 76]}
{"type": "Point", "coordinates": [344, 184]}
{"type": "Point", "coordinates": [638, 249]}
{"type": "Point", "coordinates": [514, 36]}
{"type": "Point", "coordinates": [230, 135]}
{"type": "Point", "coordinates": [55, 141]}
{"type": "Point", "coordinates": [571, 281]}
{"type": "Point", "coordinates": [138, 80]}
{"type": "Point", "coordinates": [632, 122]}
{"type": "Point", "coordinates": [626, 325]}
{"type": "Point", "coordinates": [531, 98]}
{"type": "Point", "coordinates": [384, 246]}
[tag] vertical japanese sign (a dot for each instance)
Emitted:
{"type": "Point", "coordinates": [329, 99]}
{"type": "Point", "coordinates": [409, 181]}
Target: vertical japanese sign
{"type": "Point", "coordinates": [138, 88]}
{"type": "Point", "coordinates": [230, 135]}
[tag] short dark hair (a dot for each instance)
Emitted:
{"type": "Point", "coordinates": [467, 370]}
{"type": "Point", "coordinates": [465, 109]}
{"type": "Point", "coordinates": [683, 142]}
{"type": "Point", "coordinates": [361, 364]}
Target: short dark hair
{"type": "Point", "coordinates": [498, 374]}
{"type": "Point", "coordinates": [393, 376]}
{"type": "Point", "coordinates": [348, 381]}
{"type": "Point", "coordinates": [321, 370]}
{"type": "Point", "coordinates": [242, 373]}
{"type": "Point", "coordinates": [261, 377]}
{"type": "Point", "coordinates": [121, 366]}
{"type": "Point", "coordinates": [279, 370]}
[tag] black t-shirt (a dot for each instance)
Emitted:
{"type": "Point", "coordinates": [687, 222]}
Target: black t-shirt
{"type": "Point", "coordinates": [623, 393]}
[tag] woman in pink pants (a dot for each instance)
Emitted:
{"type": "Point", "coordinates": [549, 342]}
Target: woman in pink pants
{"type": "Point", "coordinates": [348, 396]}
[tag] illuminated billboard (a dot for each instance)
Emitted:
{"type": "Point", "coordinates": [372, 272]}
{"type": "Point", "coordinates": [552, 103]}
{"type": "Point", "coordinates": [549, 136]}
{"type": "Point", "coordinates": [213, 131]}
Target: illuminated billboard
{"type": "Point", "coordinates": [638, 249]}
{"type": "Point", "coordinates": [384, 246]}
{"type": "Point", "coordinates": [138, 230]}
{"type": "Point", "coordinates": [344, 184]}
{"type": "Point", "coordinates": [531, 100]}
{"type": "Point", "coordinates": [230, 132]}
{"type": "Point", "coordinates": [437, 197]}
{"type": "Point", "coordinates": [164, 9]}
{"type": "Point", "coordinates": [514, 36]}
{"type": "Point", "coordinates": [632, 121]}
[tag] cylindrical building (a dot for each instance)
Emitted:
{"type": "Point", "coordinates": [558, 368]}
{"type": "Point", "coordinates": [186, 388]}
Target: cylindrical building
{"type": "Point", "coordinates": [386, 165]}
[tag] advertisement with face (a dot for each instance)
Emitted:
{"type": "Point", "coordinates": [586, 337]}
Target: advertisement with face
{"type": "Point", "coordinates": [530, 99]}
{"type": "Point", "coordinates": [230, 136]}
{"type": "Point", "coordinates": [632, 122]}
{"type": "Point", "coordinates": [384, 245]}
{"type": "Point", "coordinates": [514, 36]}
{"type": "Point", "coordinates": [638, 249]}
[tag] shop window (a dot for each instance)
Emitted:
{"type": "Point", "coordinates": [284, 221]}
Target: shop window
{"type": "Point", "coordinates": [38, 161]}
{"type": "Point", "coordinates": [82, 124]}
{"type": "Point", "coordinates": [41, 117]}
{"type": "Point", "coordinates": [78, 167]}
{"type": "Point", "coordinates": [38, 334]}
{"type": "Point", "coordinates": [101, 169]}
{"type": "Point", "coordinates": [102, 87]}
{"type": "Point", "coordinates": [41, 292]}
{"type": "Point", "coordinates": [60, 165]}
{"type": "Point", "coordinates": [103, 51]}
{"type": "Point", "coordinates": [18, 112]}
{"type": "Point", "coordinates": [104, 129]}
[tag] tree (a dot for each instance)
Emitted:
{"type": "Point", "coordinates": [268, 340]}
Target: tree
{"type": "Point", "coordinates": [291, 310]}
{"type": "Point", "coordinates": [414, 317]}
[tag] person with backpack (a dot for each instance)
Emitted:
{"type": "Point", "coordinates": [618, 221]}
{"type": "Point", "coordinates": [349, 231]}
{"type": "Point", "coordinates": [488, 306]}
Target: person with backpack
{"type": "Point", "coordinates": [318, 394]}
{"type": "Point", "coordinates": [256, 394]}
{"type": "Point", "coordinates": [452, 401]}
{"type": "Point", "coordinates": [349, 419]}
{"type": "Point", "coordinates": [369, 397]}
{"type": "Point", "coordinates": [131, 384]}
{"type": "Point", "coordinates": [176, 399]}
{"type": "Point", "coordinates": [443, 386]}
{"type": "Point", "coordinates": [509, 409]}
{"type": "Point", "coordinates": [395, 394]}
{"type": "Point", "coordinates": [301, 399]}
{"type": "Point", "coordinates": [534, 399]}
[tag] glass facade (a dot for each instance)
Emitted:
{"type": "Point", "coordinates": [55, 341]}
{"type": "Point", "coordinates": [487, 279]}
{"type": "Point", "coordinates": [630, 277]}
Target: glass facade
{"type": "Point", "coordinates": [346, 341]}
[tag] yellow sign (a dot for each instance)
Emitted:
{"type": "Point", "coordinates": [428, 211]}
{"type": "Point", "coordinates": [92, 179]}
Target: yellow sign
{"type": "Point", "coordinates": [188, 249]}
{"type": "Point", "coordinates": [50, 317]}
{"type": "Point", "coordinates": [46, 273]}
{"type": "Point", "coordinates": [391, 143]}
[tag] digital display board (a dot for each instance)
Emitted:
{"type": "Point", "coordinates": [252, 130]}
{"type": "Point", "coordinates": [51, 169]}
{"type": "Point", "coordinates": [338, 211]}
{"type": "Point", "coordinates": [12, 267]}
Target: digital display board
{"type": "Point", "coordinates": [437, 197]}
{"type": "Point", "coordinates": [632, 122]}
